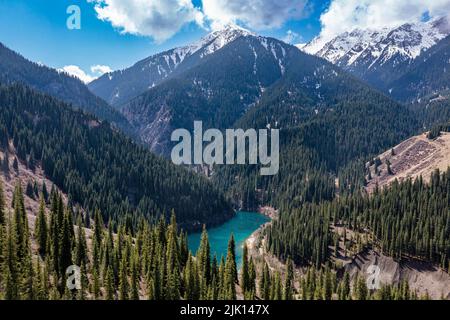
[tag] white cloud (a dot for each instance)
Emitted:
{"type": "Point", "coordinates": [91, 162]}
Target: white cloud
{"type": "Point", "coordinates": [159, 19]}
{"type": "Point", "coordinates": [76, 71]}
{"type": "Point", "coordinates": [291, 37]}
{"type": "Point", "coordinates": [100, 70]}
{"type": "Point", "coordinates": [345, 15]}
{"type": "Point", "coordinates": [256, 14]}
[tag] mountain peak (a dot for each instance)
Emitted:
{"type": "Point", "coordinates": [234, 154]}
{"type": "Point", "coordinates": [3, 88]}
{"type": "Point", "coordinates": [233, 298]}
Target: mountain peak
{"type": "Point", "coordinates": [233, 28]}
{"type": "Point", "coordinates": [407, 41]}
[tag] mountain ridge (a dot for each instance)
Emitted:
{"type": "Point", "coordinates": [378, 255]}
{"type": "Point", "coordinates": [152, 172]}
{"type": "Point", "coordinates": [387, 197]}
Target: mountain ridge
{"type": "Point", "coordinates": [16, 68]}
{"type": "Point", "coordinates": [118, 87]}
{"type": "Point", "coordinates": [381, 56]}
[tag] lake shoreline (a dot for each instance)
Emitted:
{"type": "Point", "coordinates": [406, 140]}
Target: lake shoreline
{"type": "Point", "coordinates": [241, 226]}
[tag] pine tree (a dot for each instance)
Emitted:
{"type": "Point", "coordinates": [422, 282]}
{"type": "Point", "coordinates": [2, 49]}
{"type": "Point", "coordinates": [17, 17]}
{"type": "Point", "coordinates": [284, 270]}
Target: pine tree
{"type": "Point", "coordinates": [252, 280]}
{"type": "Point", "coordinates": [172, 263]}
{"type": "Point", "coordinates": [81, 246]}
{"type": "Point", "coordinates": [109, 285]}
{"type": "Point", "coordinates": [44, 191]}
{"type": "Point", "coordinates": [230, 273]}
{"type": "Point", "coordinates": [204, 257]}
{"type": "Point", "coordinates": [288, 287]}
{"type": "Point", "coordinates": [95, 284]}
{"type": "Point", "coordinates": [98, 236]}
{"type": "Point", "coordinates": [265, 283]}
{"type": "Point", "coordinates": [11, 265]}
{"type": "Point", "coordinates": [65, 245]}
{"type": "Point", "coordinates": [231, 256]}
{"type": "Point", "coordinates": [41, 228]}
{"type": "Point", "coordinates": [328, 285]}
{"type": "Point", "coordinates": [21, 223]}
{"type": "Point", "coordinates": [123, 280]}
{"type": "Point", "coordinates": [277, 290]}
{"type": "Point", "coordinates": [245, 277]}
{"type": "Point", "coordinates": [190, 281]}
{"type": "Point", "coordinates": [361, 292]}
{"type": "Point", "coordinates": [134, 294]}
{"type": "Point", "coordinates": [27, 289]}
{"type": "Point", "coordinates": [345, 294]}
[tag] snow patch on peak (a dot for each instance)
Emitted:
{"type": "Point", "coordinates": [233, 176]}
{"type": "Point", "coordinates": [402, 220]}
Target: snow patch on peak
{"type": "Point", "coordinates": [407, 41]}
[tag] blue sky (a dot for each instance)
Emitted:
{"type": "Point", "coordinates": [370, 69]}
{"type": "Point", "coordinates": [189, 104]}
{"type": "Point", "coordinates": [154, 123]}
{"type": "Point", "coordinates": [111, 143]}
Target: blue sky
{"type": "Point", "coordinates": [37, 29]}
{"type": "Point", "coordinates": [118, 33]}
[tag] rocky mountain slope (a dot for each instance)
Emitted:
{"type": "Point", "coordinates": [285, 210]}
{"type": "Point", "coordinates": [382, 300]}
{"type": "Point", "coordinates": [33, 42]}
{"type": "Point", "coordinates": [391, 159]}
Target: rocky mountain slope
{"type": "Point", "coordinates": [217, 84]}
{"type": "Point", "coordinates": [414, 157]}
{"type": "Point", "coordinates": [121, 86]}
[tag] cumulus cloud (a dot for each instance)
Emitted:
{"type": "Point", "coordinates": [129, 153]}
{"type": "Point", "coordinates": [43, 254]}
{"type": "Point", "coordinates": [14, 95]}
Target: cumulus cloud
{"type": "Point", "coordinates": [345, 15]}
{"type": "Point", "coordinates": [100, 69]}
{"type": "Point", "coordinates": [256, 14]}
{"type": "Point", "coordinates": [76, 71]}
{"type": "Point", "coordinates": [159, 19]}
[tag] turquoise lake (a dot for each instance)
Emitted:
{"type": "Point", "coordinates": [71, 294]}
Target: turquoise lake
{"type": "Point", "coordinates": [241, 226]}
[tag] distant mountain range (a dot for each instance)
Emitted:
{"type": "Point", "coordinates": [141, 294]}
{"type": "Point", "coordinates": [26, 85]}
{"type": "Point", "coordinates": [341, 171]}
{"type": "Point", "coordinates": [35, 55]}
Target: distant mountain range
{"type": "Point", "coordinates": [395, 60]}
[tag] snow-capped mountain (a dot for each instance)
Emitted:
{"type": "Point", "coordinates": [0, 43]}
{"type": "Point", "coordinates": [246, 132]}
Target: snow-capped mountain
{"type": "Point", "coordinates": [220, 79]}
{"type": "Point", "coordinates": [231, 78]}
{"type": "Point", "coordinates": [120, 86]}
{"type": "Point", "coordinates": [379, 56]}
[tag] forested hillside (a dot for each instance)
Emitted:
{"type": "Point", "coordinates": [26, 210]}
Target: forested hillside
{"type": "Point", "coordinates": [217, 90]}
{"type": "Point", "coordinates": [429, 74]}
{"type": "Point", "coordinates": [16, 69]}
{"type": "Point", "coordinates": [409, 219]}
{"type": "Point", "coordinates": [152, 262]}
{"type": "Point", "coordinates": [318, 139]}
{"type": "Point", "coordinates": [100, 168]}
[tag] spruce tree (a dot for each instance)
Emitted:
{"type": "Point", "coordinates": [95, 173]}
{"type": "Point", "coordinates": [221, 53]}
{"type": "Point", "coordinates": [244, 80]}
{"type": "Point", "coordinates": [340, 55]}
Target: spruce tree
{"type": "Point", "coordinates": [265, 283]}
{"type": "Point", "coordinates": [65, 245]}
{"type": "Point", "coordinates": [230, 272]}
{"type": "Point", "coordinates": [231, 256]}
{"type": "Point", "coordinates": [81, 246]}
{"type": "Point", "coordinates": [252, 280]}
{"type": "Point", "coordinates": [172, 263]}
{"type": "Point", "coordinates": [123, 280]}
{"type": "Point", "coordinates": [345, 295]}
{"type": "Point", "coordinates": [109, 285]}
{"type": "Point", "coordinates": [11, 265]}
{"type": "Point", "coordinates": [245, 277]}
{"type": "Point", "coordinates": [328, 285]}
{"type": "Point", "coordinates": [288, 286]}
{"type": "Point", "coordinates": [134, 294]}
{"type": "Point", "coordinates": [41, 229]}
{"type": "Point", "coordinates": [204, 257]}
{"type": "Point", "coordinates": [361, 292]}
